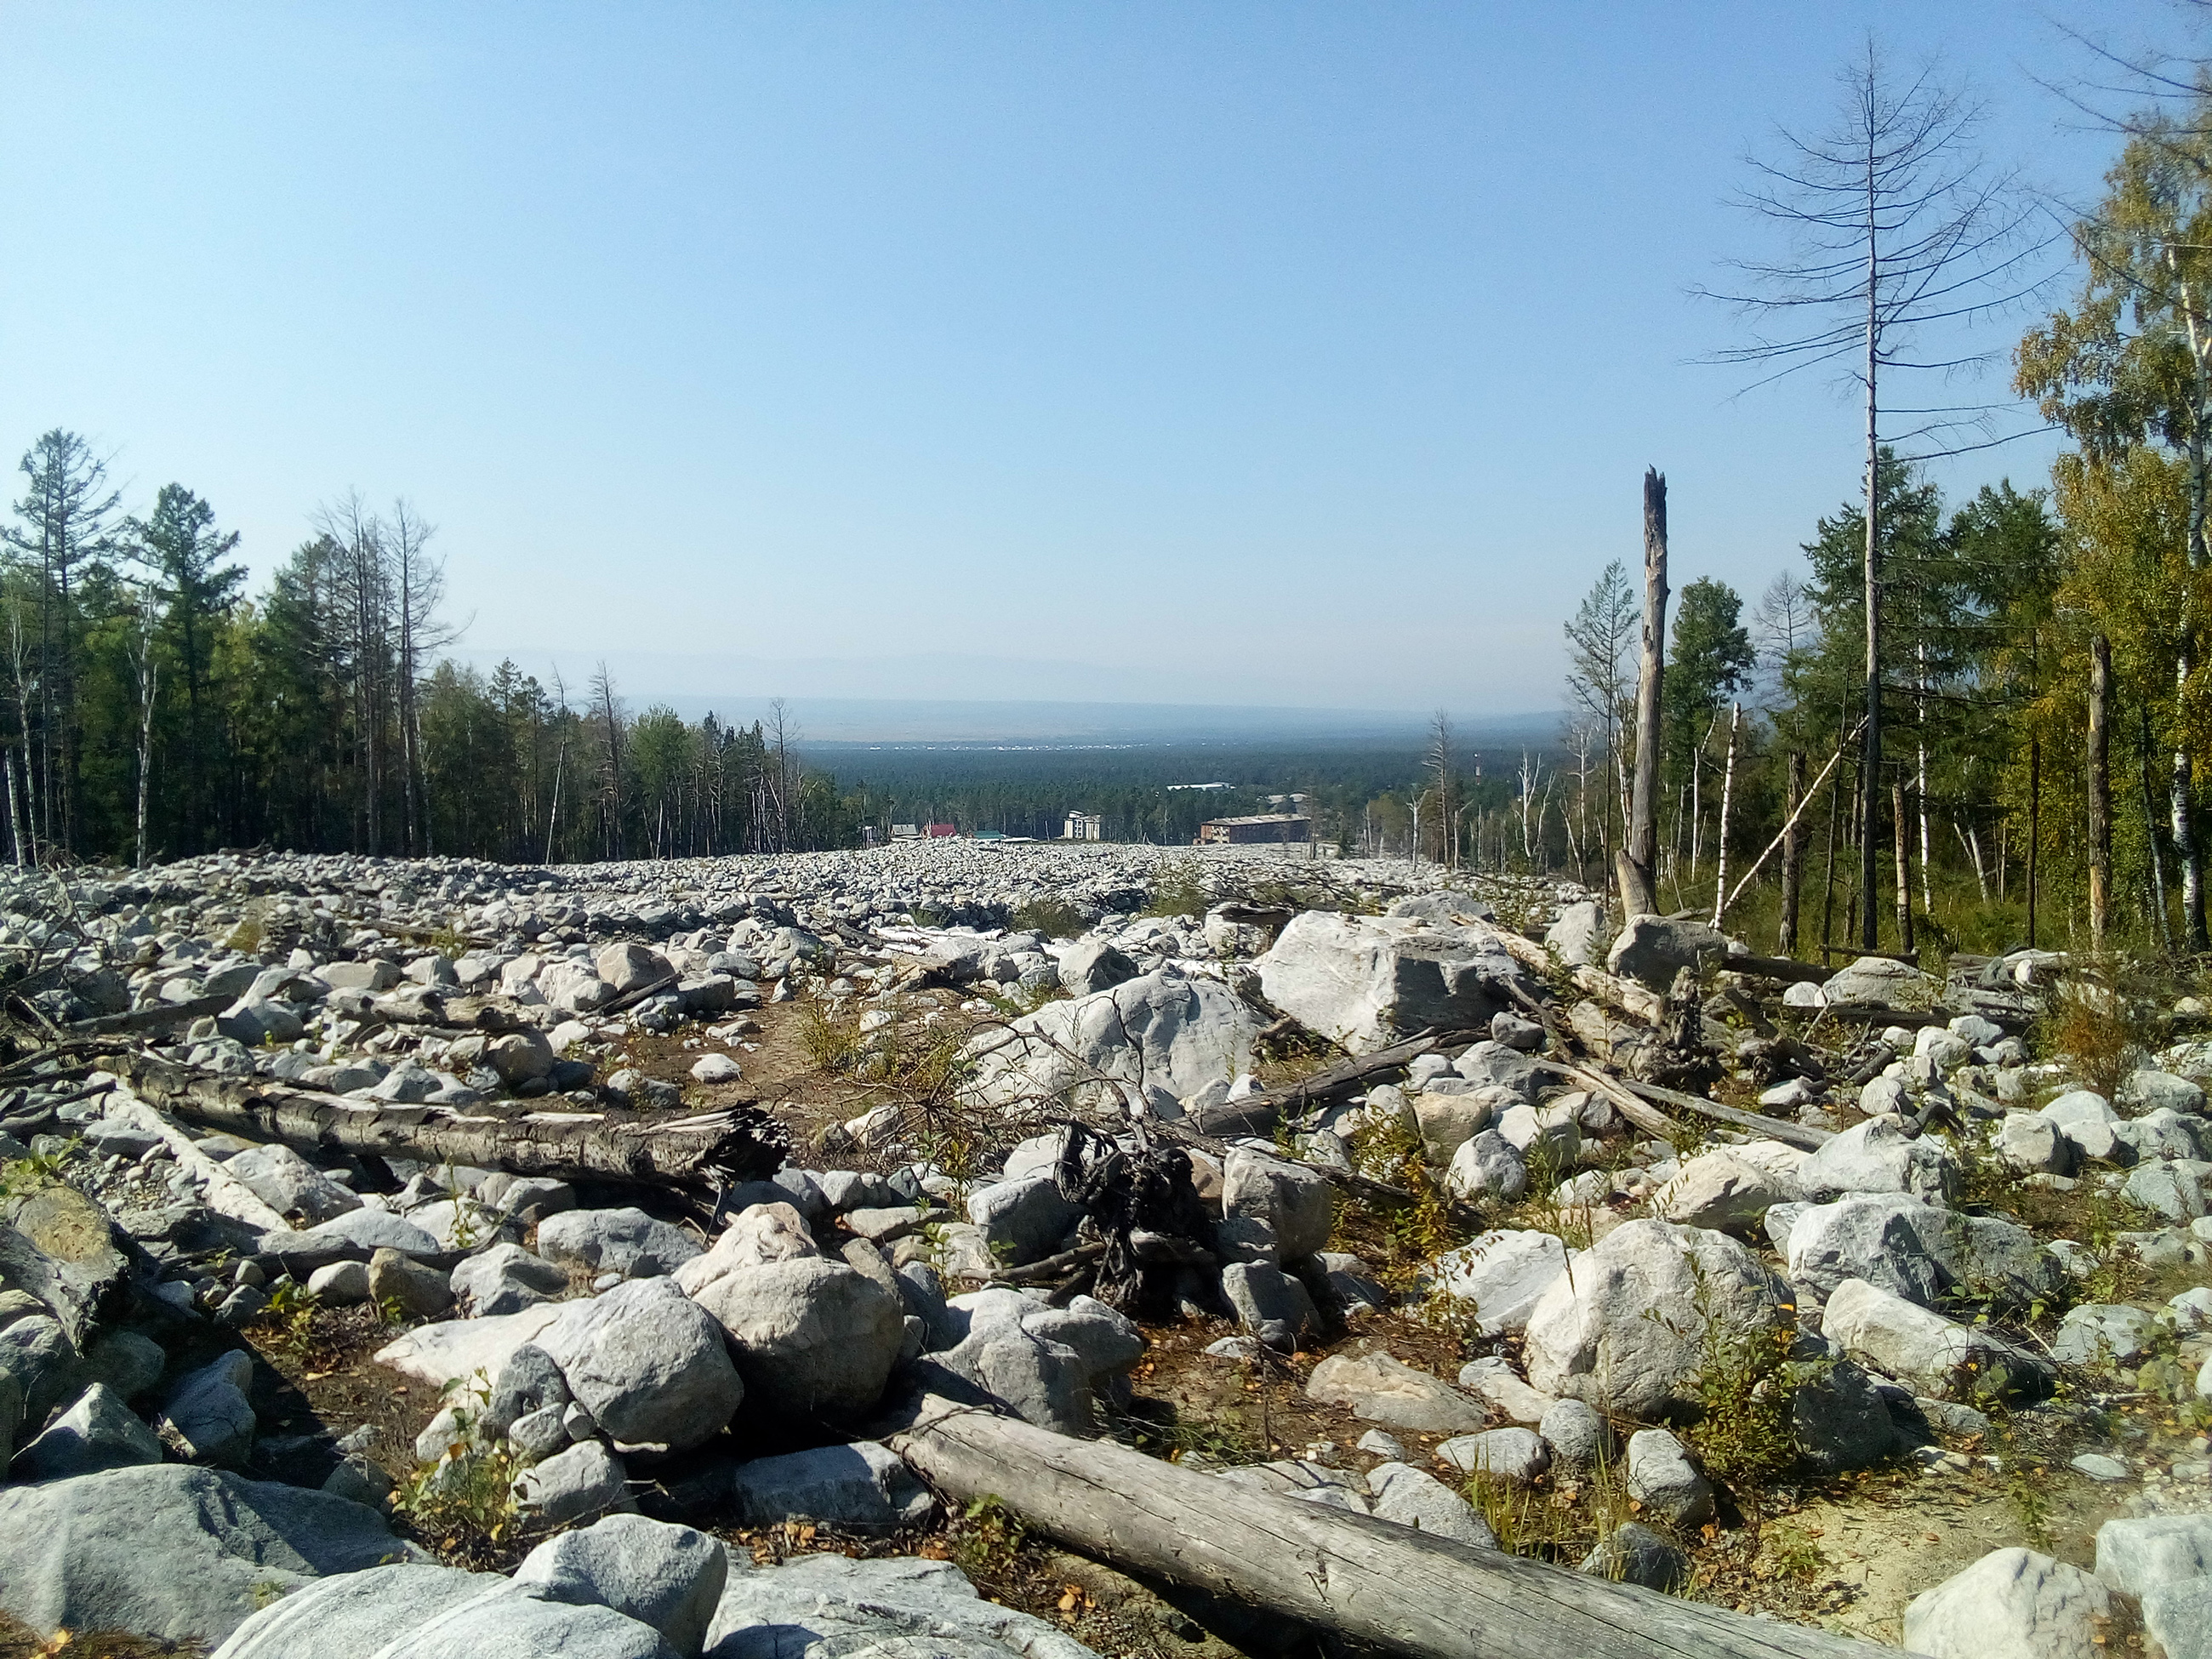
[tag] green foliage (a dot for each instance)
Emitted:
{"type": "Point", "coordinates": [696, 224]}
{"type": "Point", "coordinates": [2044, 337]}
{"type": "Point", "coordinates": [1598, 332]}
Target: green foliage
{"type": "Point", "coordinates": [1054, 918]}
{"type": "Point", "coordinates": [464, 1504]}
{"type": "Point", "coordinates": [1177, 893]}
{"type": "Point", "coordinates": [1746, 1387]}
{"type": "Point", "coordinates": [987, 1537]}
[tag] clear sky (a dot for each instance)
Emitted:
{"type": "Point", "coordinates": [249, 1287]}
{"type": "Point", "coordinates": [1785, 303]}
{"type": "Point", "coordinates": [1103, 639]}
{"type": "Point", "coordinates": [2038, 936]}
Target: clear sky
{"type": "Point", "coordinates": [1240, 353]}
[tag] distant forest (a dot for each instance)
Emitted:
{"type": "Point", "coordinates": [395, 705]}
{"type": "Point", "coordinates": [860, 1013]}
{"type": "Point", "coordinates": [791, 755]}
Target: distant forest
{"type": "Point", "coordinates": [150, 708]}
{"type": "Point", "coordinates": [1361, 794]}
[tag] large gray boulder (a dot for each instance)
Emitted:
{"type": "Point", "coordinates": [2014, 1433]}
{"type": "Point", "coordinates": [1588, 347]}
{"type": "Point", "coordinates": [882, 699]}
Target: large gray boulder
{"type": "Point", "coordinates": [1919, 1347]}
{"type": "Point", "coordinates": [517, 1622]}
{"type": "Point", "coordinates": [1880, 1155]}
{"type": "Point", "coordinates": [1415, 1498]}
{"type": "Point", "coordinates": [627, 1242]}
{"type": "Point", "coordinates": [2137, 1553]}
{"type": "Point", "coordinates": [1023, 1220]}
{"type": "Point", "coordinates": [1626, 1330]}
{"type": "Point", "coordinates": [354, 1614]}
{"type": "Point", "coordinates": [505, 1280]}
{"type": "Point", "coordinates": [2012, 1602]}
{"type": "Point", "coordinates": [207, 1417]}
{"type": "Point", "coordinates": [648, 1363]}
{"type": "Point", "coordinates": [171, 1551]}
{"type": "Point", "coordinates": [1838, 1418]}
{"type": "Point", "coordinates": [1879, 979]}
{"type": "Point", "coordinates": [1723, 1192]}
{"type": "Point", "coordinates": [669, 1578]}
{"type": "Point", "coordinates": [1654, 948]}
{"type": "Point", "coordinates": [1501, 1274]}
{"type": "Point", "coordinates": [354, 1237]}
{"type": "Point", "coordinates": [1664, 1480]}
{"type": "Point", "coordinates": [99, 1431]}
{"type": "Point", "coordinates": [813, 1338]}
{"type": "Point", "coordinates": [1049, 1365]}
{"type": "Point", "coordinates": [1093, 964]}
{"type": "Point", "coordinates": [1365, 981]}
{"type": "Point", "coordinates": [896, 1606]}
{"type": "Point", "coordinates": [288, 1184]}
{"type": "Point", "coordinates": [1918, 1251]}
{"type": "Point", "coordinates": [1272, 1210]}
{"type": "Point", "coordinates": [1162, 1037]}
{"type": "Point", "coordinates": [864, 1487]}
{"type": "Point", "coordinates": [1578, 936]}
{"type": "Point", "coordinates": [1382, 1390]}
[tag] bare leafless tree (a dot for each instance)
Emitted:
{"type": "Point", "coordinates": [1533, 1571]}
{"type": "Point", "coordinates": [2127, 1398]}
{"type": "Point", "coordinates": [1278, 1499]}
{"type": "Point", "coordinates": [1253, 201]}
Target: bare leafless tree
{"type": "Point", "coordinates": [1897, 230]}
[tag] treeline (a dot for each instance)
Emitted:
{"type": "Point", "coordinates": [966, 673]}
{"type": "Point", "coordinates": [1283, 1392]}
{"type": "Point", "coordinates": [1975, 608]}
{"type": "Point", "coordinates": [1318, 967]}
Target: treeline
{"type": "Point", "coordinates": [150, 708]}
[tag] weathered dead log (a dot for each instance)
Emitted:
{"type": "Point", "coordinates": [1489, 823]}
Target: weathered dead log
{"type": "Point", "coordinates": [158, 1017]}
{"type": "Point", "coordinates": [1398, 1589]}
{"type": "Point", "coordinates": [1774, 1128]}
{"type": "Point", "coordinates": [1636, 1001]}
{"type": "Point", "coordinates": [703, 1153]}
{"type": "Point", "coordinates": [1349, 1076]}
{"type": "Point", "coordinates": [1786, 968]}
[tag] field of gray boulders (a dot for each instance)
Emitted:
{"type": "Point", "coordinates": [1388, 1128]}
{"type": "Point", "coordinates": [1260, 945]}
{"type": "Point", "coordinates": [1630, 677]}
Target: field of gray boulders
{"type": "Point", "coordinates": [1612, 1244]}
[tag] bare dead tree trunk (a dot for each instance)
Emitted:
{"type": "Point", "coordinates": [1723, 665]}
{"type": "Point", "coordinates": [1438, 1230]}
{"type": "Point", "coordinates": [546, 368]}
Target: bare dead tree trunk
{"type": "Point", "coordinates": [1903, 827]}
{"type": "Point", "coordinates": [1793, 857]}
{"type": "Point", "coordinates": [2034, 825]}
{"type": "Point", "coordinates": [2100, 791]}
{"type": "Point", "coordinates": [1720, 834]}
{"type": "Point", "coordinates": [148, 673]}
{"type": "Point", "coordinates": [1639, 855]}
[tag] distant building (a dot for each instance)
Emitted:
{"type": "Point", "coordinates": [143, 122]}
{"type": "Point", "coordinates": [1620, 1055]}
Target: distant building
{"type": "Point", "coordinates": [942, 831]}
{"type": "Point", "coordinates": [906, 832]}
{"type": "Point", "coordinates": [1198, 786]}
{"type": "Point", "coordinates": [990, 834]}
{"type": "Point", "coordinates": [1264, 827]}
{"type": "Point", "coordinates": [1082, 826]}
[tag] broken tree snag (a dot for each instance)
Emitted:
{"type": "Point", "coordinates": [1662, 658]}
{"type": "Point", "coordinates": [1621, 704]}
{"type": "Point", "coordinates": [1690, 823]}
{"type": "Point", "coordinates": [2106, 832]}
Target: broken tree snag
{"type": "Point", "coordinates": [1395, 1588]}
{"type": "Point", "coordinates": [703, 1153]}
{"type": "Point", "coordinates": [1639, 854]}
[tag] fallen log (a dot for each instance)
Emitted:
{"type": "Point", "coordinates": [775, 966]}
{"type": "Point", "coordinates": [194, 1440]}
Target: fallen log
{"type": "Point", "coordinates": [1348, 1076]}
{"type": "Point", "coordinates": [160, 1017]}
{"type": "Point", "coordinates": [703, 1153]}
{"type": "Point", "coordinates": [1636, 1001]}
{"type": "Point", "coordinates": [1395, 1588]}
{"type": "Point", "coordinates": [1774, 1128]}
{"type": "Point", "coordinates": [1785, 969]}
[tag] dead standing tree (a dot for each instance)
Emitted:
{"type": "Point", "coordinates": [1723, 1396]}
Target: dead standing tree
{"type": "Point", "coordinates": [1638, 859]}
{"type": "Point", "coordinates": [1897, 230]}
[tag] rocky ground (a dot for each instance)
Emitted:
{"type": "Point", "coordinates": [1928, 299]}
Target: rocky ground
{"type": "Point", "coordinates": [1876, 1300]}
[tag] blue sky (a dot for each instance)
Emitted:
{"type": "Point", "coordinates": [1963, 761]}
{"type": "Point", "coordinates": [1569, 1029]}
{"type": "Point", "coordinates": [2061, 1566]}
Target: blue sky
{"type": "Point", "coordinates": [1257, 353]}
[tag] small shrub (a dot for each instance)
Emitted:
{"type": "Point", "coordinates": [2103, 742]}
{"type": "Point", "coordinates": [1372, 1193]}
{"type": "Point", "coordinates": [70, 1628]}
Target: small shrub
{"type": "Point", "coordinates": [1177, 894]}
{"type": "Point", "coordinates": [987, 1537]}
{"type": "Point", "coordinates": [830, 1036]}
{"type": "Point", "coordinates": [1054, 918]}
{"type": "Point", "coordinates": [1746, 1388]}
{"type": "Point", "coordinates": [465, 1502]}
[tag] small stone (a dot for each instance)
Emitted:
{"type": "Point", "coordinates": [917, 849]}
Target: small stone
{"type": "Point", "coordinates": [712, 1069]}
{"type": "Point", "coordinates": [1376, 1443]}
{"type": "Point", "coordinates": [1580, 1438]}
{"type": "Point", "coordinates": [1634, 1554]}
{"type": "Point", "coordinates": [421, 1292]}
{"type": "Point", "coordinates": [1662, 1477]}
{"type": "Point", "coordinates": [584, 1481]}
{"type": "Point", "coordinates": [2099, 1467]}
{"type": "Point", "coordinates": [1513, 1454]}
